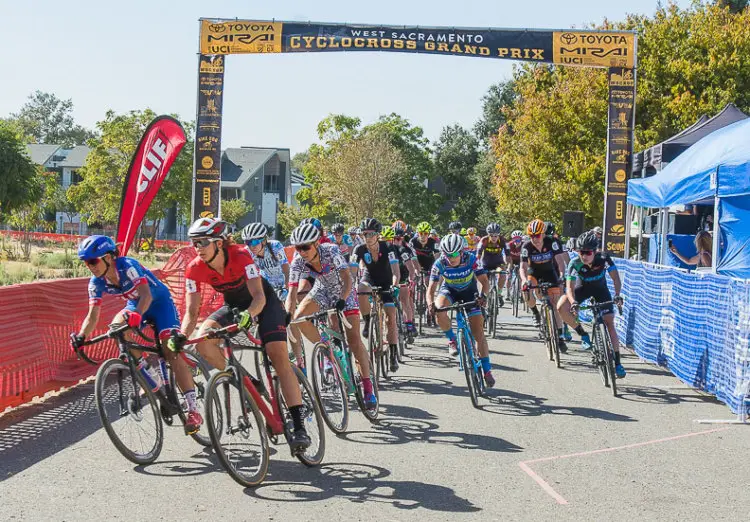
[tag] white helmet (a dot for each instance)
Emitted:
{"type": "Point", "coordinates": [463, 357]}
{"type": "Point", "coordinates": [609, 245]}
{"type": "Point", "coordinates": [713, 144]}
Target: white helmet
{"type": "Point", "coordinates": [254, 231]}
{"type": "Point", "coordinates": [304, 234]}
{"type": "Point", "coordinates": [208, 227]}
{"type": "Point", "coordinates": [515, 234]}
{"type": "Point", "coordinates": [451, 244]}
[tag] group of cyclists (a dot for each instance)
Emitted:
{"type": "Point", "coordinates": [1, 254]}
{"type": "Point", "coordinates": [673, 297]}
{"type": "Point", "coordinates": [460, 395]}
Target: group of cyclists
{"type": "Point", "coordinates": [339, 269]}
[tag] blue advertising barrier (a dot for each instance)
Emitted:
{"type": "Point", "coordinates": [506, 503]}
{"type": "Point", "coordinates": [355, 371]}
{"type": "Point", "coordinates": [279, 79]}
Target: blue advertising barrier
{"type": "Point", "coordinates": [696, 324]}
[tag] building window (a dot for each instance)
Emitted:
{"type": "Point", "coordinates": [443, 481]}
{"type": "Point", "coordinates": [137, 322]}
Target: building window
{"type": "Point", "coordinates": [271, 183]}
{"type": "Point", "coordinates": [230, 194]}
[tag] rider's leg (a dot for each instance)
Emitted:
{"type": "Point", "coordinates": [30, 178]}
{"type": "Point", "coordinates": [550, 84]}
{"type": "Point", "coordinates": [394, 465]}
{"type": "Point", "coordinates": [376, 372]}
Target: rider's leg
{"type": "Point", "coordinates": [308, 306]}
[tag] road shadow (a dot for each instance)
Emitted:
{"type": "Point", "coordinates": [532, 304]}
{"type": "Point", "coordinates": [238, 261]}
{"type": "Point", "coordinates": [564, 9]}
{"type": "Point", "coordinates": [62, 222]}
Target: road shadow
{"type": "Point", "coordinates": [511, 403]}
{"type": "Point", "coordinates": [358, 483]}
{"type": "Point", "coordinates": [35, 432]}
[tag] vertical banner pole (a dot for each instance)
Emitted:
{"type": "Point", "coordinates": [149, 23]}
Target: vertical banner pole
{"type": "Point", "coordinates": [207, 163]}
{"type": "Point", "coordinates": [620, 125]}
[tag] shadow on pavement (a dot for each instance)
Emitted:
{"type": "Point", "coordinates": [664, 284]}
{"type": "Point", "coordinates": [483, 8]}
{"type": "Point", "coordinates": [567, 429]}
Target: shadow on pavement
{"type": "Point", "coordinates": [35, 432]}
{"type": "Point", "coordinates": [507, 402]}
{"type": "Point", "coordinates": [291, 482]}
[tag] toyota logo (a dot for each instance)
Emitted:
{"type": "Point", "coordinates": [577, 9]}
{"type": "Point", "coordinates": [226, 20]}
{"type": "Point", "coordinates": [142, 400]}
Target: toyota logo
{"type": "Point", "coordinates": [568, 38]}
{"type": "Point", "coordinates": [217, 28]}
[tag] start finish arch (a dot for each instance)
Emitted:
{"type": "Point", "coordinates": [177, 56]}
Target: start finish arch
{"type": "Point", "coordinates": [615, 51]}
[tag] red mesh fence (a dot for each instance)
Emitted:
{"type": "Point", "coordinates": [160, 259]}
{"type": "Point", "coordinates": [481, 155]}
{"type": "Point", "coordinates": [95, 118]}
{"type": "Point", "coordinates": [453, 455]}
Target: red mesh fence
{"type": "Point", "coordinates": [36, 319]}
{"type": "Point", "coordinates": [73, 238]}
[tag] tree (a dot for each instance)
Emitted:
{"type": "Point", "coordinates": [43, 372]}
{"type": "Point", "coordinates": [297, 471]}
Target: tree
{"type": "Point", "coordinates": [499, 97]}
{"type": "Point", "coordinates": [232, 210]}
{"type": "Point", "coordinates": [19, 183]}
{"type": "Point", "coordinates": [734, 6]}
{"type": "Point", "coordinates": [290, 216]}
{"type": "Point", "coordinates": [98, 195]}
{"type": "Point", "coordinates": [47, 119]}
{"type": "Point", "coordinates": [31, 215]}
{"type": "Point", "coordinates": [456, 156]}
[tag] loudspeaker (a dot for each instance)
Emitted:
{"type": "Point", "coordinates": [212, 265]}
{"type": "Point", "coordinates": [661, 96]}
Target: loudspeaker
{"type": "Point", "coordinates": [683, 224]}
{"type": "Point", "coordinates": [572, 223]}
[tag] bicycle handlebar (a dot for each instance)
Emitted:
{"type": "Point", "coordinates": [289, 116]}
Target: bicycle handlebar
{"type": "Point", "coordinates": [456, 306]}
{"type": "Point", "coordinates": [319, 315]}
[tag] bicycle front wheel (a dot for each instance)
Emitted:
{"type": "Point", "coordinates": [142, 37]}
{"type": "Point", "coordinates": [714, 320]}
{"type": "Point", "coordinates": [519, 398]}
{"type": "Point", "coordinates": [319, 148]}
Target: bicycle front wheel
{"type": "Point", "coordinates": [330, 388]}
{"type": "Point", "coordinates": [610, 358]}
{"type": "Point", "coordinates": [359, 391]}
{"type": "Point", "coordinates": [237, 430]}
{"type": "Point", "coordinates": [129, 412]}
{"type": "Point", "coordinates": [468, 364]}
{"type": "Point", "coordinates": [598, 357]}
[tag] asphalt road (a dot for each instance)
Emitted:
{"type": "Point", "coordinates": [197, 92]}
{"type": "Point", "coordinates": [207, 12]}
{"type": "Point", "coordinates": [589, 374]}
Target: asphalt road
{"type": "Point", "coordinates": [548, 444]}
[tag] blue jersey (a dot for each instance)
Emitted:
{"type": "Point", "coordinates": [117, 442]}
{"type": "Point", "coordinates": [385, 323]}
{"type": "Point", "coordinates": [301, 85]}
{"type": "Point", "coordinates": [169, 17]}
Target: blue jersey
{"type": "Point", "coordinates": [271, 263]}
{"type": "Point", "coordinates": [346, 246]}
{"type": "Point", "coordinates": [460, 277]}
{"type": "Point", "coordinates": [131, 274]}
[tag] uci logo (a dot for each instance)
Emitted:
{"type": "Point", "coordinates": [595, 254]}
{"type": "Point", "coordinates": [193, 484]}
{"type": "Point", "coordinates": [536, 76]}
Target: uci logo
{"type": "Point", "coordinates": [217, 28]}
{"type": "Point", "coordinates": [568, 38]}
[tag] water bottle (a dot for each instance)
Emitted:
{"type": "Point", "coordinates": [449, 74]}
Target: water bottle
{"type": "Point", "coordinates": [150, 374]}
{"type": "Point", "coordinates": [339, 353]}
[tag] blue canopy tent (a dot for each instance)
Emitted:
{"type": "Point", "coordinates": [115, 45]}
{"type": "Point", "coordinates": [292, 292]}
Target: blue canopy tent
{"type": "Point", "coordinates": [715, 169]}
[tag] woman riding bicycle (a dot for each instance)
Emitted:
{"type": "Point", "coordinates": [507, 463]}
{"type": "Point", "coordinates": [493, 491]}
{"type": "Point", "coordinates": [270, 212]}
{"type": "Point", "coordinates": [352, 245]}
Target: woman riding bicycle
{"type": "Point", "coordinates": [269, 255]}
{"type": "Point", "coordinates": [148, 300]}
{"type": "Point", "coordinates": [491, 251]}
{"type": "Point", "coordinates": [460, 272]}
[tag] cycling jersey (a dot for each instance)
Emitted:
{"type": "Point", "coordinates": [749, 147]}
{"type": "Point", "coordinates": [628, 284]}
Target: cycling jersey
{"type": "Point", "coordinates": [377, 271]}
{"type": "Point", "coordinates": [492, 255]}
{"type": "Point", "coordinates": [238, 269]}
{"type": "Point", "coordinates": [460, 277]}
{"type": "Point", "coordinates": [514, 251]}
{"type": "Point", "coordinates": [270, 262]}
{"type": "Point", "coordinates": [542, 261]}
{"type": "Point", "coordinates": [328, 284]}
{"type": "Point", "coordinates": [472, 241]}
{"type": "Point", "coordinates": [404, 254]}
{"type": "Point", "coordinates": [161, 312]}
{"type": "Point", "coordinates": [346, 246]}
{"type": "Point", "coordinates": [593, 275]}
{"type": "Point", "coordinates": [425, 252]}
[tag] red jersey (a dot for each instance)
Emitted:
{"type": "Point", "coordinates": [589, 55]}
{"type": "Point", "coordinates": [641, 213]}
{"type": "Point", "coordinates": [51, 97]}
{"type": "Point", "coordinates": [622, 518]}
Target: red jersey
{"type": "Point", "coordinates": [238, 268]}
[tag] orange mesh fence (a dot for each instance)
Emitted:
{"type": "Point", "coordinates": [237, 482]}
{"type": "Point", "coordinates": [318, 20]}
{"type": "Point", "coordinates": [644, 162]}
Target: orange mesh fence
{"type": "Point", "coordinates": [37, 318]}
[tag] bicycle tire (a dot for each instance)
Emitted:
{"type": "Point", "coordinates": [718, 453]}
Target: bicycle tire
{"type": "Point", "coordinates": [598, 355]}
{"type": "Point", "coordinates": [359, 393]}
{"type": "Point", "coordinates": [314, 424]}
{"type": "Point", "coordinates": [546, 333]}
{"type": "Point", "coordinates": [385, 350]}
{"type": "Point", "coordinates": [468, 366]}
{"type": "Point", "coordinates": [610, 358]}
{"type": "Point", "coordinates": [490, 310]}
{"type": "Point", "coordinates": [219, 386]}
{"type": "Point", "coordinates": [331, 395]}
{"type": "Point", "coordinates": [516, 295]}
{"type": "Point", "coordinates": [495, 312]}
{"type": "Point", "coordinates": [555, 337]}
{"type": "Point", "coordinates": [201, 373]}
{"type": "Point", "coordinates": [101, 393]}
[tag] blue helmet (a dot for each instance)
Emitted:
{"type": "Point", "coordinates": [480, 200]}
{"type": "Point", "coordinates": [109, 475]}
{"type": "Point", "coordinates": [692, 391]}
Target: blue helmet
{"type": "Point", "coordinates": [95, 246]}
{"type": "Point", "coordinates": [312, 221]}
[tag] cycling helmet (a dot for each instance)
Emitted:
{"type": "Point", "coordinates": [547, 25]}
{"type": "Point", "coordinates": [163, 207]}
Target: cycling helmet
{"type": "Point", "coordinates": [471, 231]}
{"type": "Point", "coordinates": [337, 228]}
{"type": "Point", "coordinates": [493, 229]}
{"type": "Point", "coordinates": [358, 231]}
{"type": "Point", "coordinates": [371, 224]}
{"type": "Point", "coordinates": [399, 223]}
{"type": "Point", "coordinates": [463, 232]}
{"type": "Point", "coordinates": [208, 227]}
{"type": "Point", "coordinates": [423, 227]}
{"type": "Point", "coordinates": [549, 228]}
{"type": "Point", "coordinates": [399, 232]}
{"type": "Point", "coordinates": [352, 231]}
{"type": "Point", "coordinates": [588, 241]}
{"type": "Point", "coordinates": [536, 227]}
{"type": "Point", "coordinates": [388, 234]}
{"type": "Point", "coordinates": [409, 230]}
{"type": "Point", "coordinates": [94, 247]}
{"type": "Point", "coordinates": [254, 231]}
{"type": "Point", "coordinates": [597, 230]}
{"type": "Point", "coordinates": [516, 234]}
{"type": "Point", "coordinates": [455, 226]}
{"type": "Point", "coordinates": [451, 244]}
{"type": "Point", "coordinates": [313, 221]}
{"type": "Point", "coordinates": [303, 234]}
{"type": "Point", "coordinates": [571, 245]}
{"type": "Point", "coordinates": [433, 232]}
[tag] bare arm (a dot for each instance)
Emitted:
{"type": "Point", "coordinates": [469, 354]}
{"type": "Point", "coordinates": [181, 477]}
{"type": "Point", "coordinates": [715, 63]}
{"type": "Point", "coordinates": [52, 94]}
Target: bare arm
{"type": "Point", "coordinates": [562, 264]}
{"type": "Point", "coordinates": [396, 273]}
{"type": "Point", "coordinates": [346, 278]}
{"type": "Point", "coordinates": [615, 275]}
{"type": "Point", "coordinates": [523, 270]}
{"type": "Point", "coordinates": [291, 299]}
{"type": "Point", "coordinates": [92, 318]}
{"type": "Point", "coordinates": [192, 309]}
{"type": "Point", "coordinates": [431, 292]}
{"type": "Point", "coordinates": [255, 287]}
{"type": "Point", "coordinates": [285, 269]}
{"type": "Point", "coordinates": [484, 284]}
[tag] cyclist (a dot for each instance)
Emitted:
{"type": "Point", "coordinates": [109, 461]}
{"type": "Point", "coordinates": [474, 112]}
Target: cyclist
{"type": "Point", "coordinates": [434, 235]}
{"type": "Point", "coordinates": [379, 265]}
{"type": "Point", "coordinates": [317, 224]}
{"type": "Point", "coordinates": [408, 266]}
{"type": "Point", "coordinates": [550, 232]}
{"type": "Point", "coordinates": [333, 288]}
{"type": "Point", "coordinates": [491, 251]}
{"type": "Point", "coordinates": [269, 255]}
{"type": "Point", "coordinates": [586, 278]}
{"type": "Point", "coordinates": [229, 269]}
{"type": "Point", "coordinates": [354, 234]}
{"type": "Point", "coordinates": [461, 272]}
{"type": "Point", "coordinates": [341, 240]}
{"type": "Point", "coordinates": [424, 246]}
{"type": "Point", "coordinates": [513, 253]}
{"type": "Point", "coordinates": [571, 247]}
{"type": "Point", "coordinates": [472, 238]}
{"type": "Point", "coordinates": [148, 299]}
{"type": "Point", "coordinates": [542, 261]}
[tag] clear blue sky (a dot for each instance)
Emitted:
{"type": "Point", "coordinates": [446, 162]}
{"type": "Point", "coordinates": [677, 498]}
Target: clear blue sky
{"type": "Point", "coordinates": [137, 53]}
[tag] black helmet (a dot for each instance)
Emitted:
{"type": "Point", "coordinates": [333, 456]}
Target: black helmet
{"type": "Point", "coordinates": [493, 229]}
{"type": "Point", "coordinates": [455, 225]}
{"type": "Point", "coordinates": [398, 231]}
{"type": "Point", "coordinates": [337, 228]}
{"type": "Point", "coordinates": [587, 241]}
{"type": "Point", "coordinates": [371, 224]}
{"type": "Point", "coordinates": [549, 228]}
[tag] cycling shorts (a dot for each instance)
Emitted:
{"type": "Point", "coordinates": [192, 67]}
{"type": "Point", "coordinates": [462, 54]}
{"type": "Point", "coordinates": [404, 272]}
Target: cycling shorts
{"type": "Point", "coordinates": [386, 297]}
{"type": "Point", "coordinates": [327, 300]}
{"type": "Point", "coordinates": [162, 314]}
{"type": "Point", "coordinates": [461, 296]}
{"type": "Point", "coordinates": [553, 291]}
{"type": "Point", "coordinates": [272, 321]}
{"type": "Point", "coordinates": [599, 293]}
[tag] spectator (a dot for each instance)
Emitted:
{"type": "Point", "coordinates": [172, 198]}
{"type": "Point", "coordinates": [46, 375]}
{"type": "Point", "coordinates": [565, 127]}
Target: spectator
{"type": "Point", "coordinates": [704, 246]}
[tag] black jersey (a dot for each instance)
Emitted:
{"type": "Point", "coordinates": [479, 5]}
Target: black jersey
{"type": "Point", "coordinates": [378, 270]}
{"type": "Point", "coordinates": [425, 252]}
{"type": "Point", "coordinates": [542, 261]}
{"type": "Point", "coordinates": [593, 275]}
{"type": "Point", "coordinates": [404, 253]}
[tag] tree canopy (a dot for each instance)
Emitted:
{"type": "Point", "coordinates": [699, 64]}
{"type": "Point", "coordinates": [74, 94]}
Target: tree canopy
{"type": "Point", "coordinates": [45, 118]}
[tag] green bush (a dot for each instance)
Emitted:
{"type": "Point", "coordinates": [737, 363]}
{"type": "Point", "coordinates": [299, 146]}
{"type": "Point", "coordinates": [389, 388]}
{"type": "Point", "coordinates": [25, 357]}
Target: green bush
{"type": "Point", "coordinates": [25, 276]}
{"type": "Point", "coordinates": [56, 260]}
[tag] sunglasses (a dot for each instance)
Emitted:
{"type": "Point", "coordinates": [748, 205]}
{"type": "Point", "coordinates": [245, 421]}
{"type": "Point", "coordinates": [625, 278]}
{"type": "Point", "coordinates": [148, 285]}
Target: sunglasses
{"type": "Point", "coordinates": [424, 233]}
{"type": "Point", "coordinates": [255, 242]}
{"type": "Point", "coordinates": [303, 248]}
{"type": "Point", "coordinates": [92, 262]}
{"type": "Point", "coordinates": [202, 243]}
{"type": "Point", "coordinates": [454, 254]}
{"type": "Point", "coordinates": [535, 235]}
{"type": "Point", "coordinates": [494, 236]}
{"type": "Point", "coordinates": [369, 234]}
{"type": "Point", "coordinates": [585, 252]}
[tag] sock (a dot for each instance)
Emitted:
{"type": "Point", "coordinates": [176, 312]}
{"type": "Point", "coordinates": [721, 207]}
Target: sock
{"type": "Point", "coordinates": [393, 349]}
{"type": "Point", "coordinates": [617, 358]}
{"type": "Point", "coordinates": [190, 399]}
{"type": "Point", "coordinates": [535, 311]}
{"type": "Point", "coordinates": [580, 331]}
{"type": "Point", "coordinates": [450, 335]}
{"type": "Point", "coordinates": [486, 366]}
{"type": "Point", "coordinates": [367, 385]}
{"type": "Point", "coordinates": [296, 412]}
{"type": "Point", "coordinates": [366, 318]}
{"type": "Point", "coordinates": [560, 333]}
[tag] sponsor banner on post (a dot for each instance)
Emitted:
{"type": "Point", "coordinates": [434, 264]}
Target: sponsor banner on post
{"type": "Point", "coordinates": [207, 166]}
{"type": "Point", "coordinates": [157, 150]}
{"type": "Point", "coordinates": [619, 158]}
{"type": "Point", "coordinates": [593, 48]}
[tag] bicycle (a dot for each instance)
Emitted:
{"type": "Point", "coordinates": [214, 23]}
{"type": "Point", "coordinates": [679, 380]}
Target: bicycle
{"type": "Point", "coordinates": [404, 337]}
{"type": "Point", "coordinates": [548, 327]}
{"type": "Point", "coordinates": [334, 340]}
{"type": "Point", "coordinates": [132, 402]}
{"type": "Point", "coordinates": [602, 353]}
{"type": "Point", "coordinates": [493, 302]}
{"type": "Point", "coordinates": [379, 362]}
{"type": "Point", "coordinates": [469, 360]}
{"type": "Point", "coordinates": [420, 300]}
{"type": "Point", "coordinates": [515, 292]}
{"type": "Point", "coordinates": [233, 420]}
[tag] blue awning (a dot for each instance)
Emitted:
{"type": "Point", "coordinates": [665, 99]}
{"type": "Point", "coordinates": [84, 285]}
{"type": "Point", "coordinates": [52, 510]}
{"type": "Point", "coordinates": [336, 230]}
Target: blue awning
{"type": "Point", "coordinates": [723, 155]}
